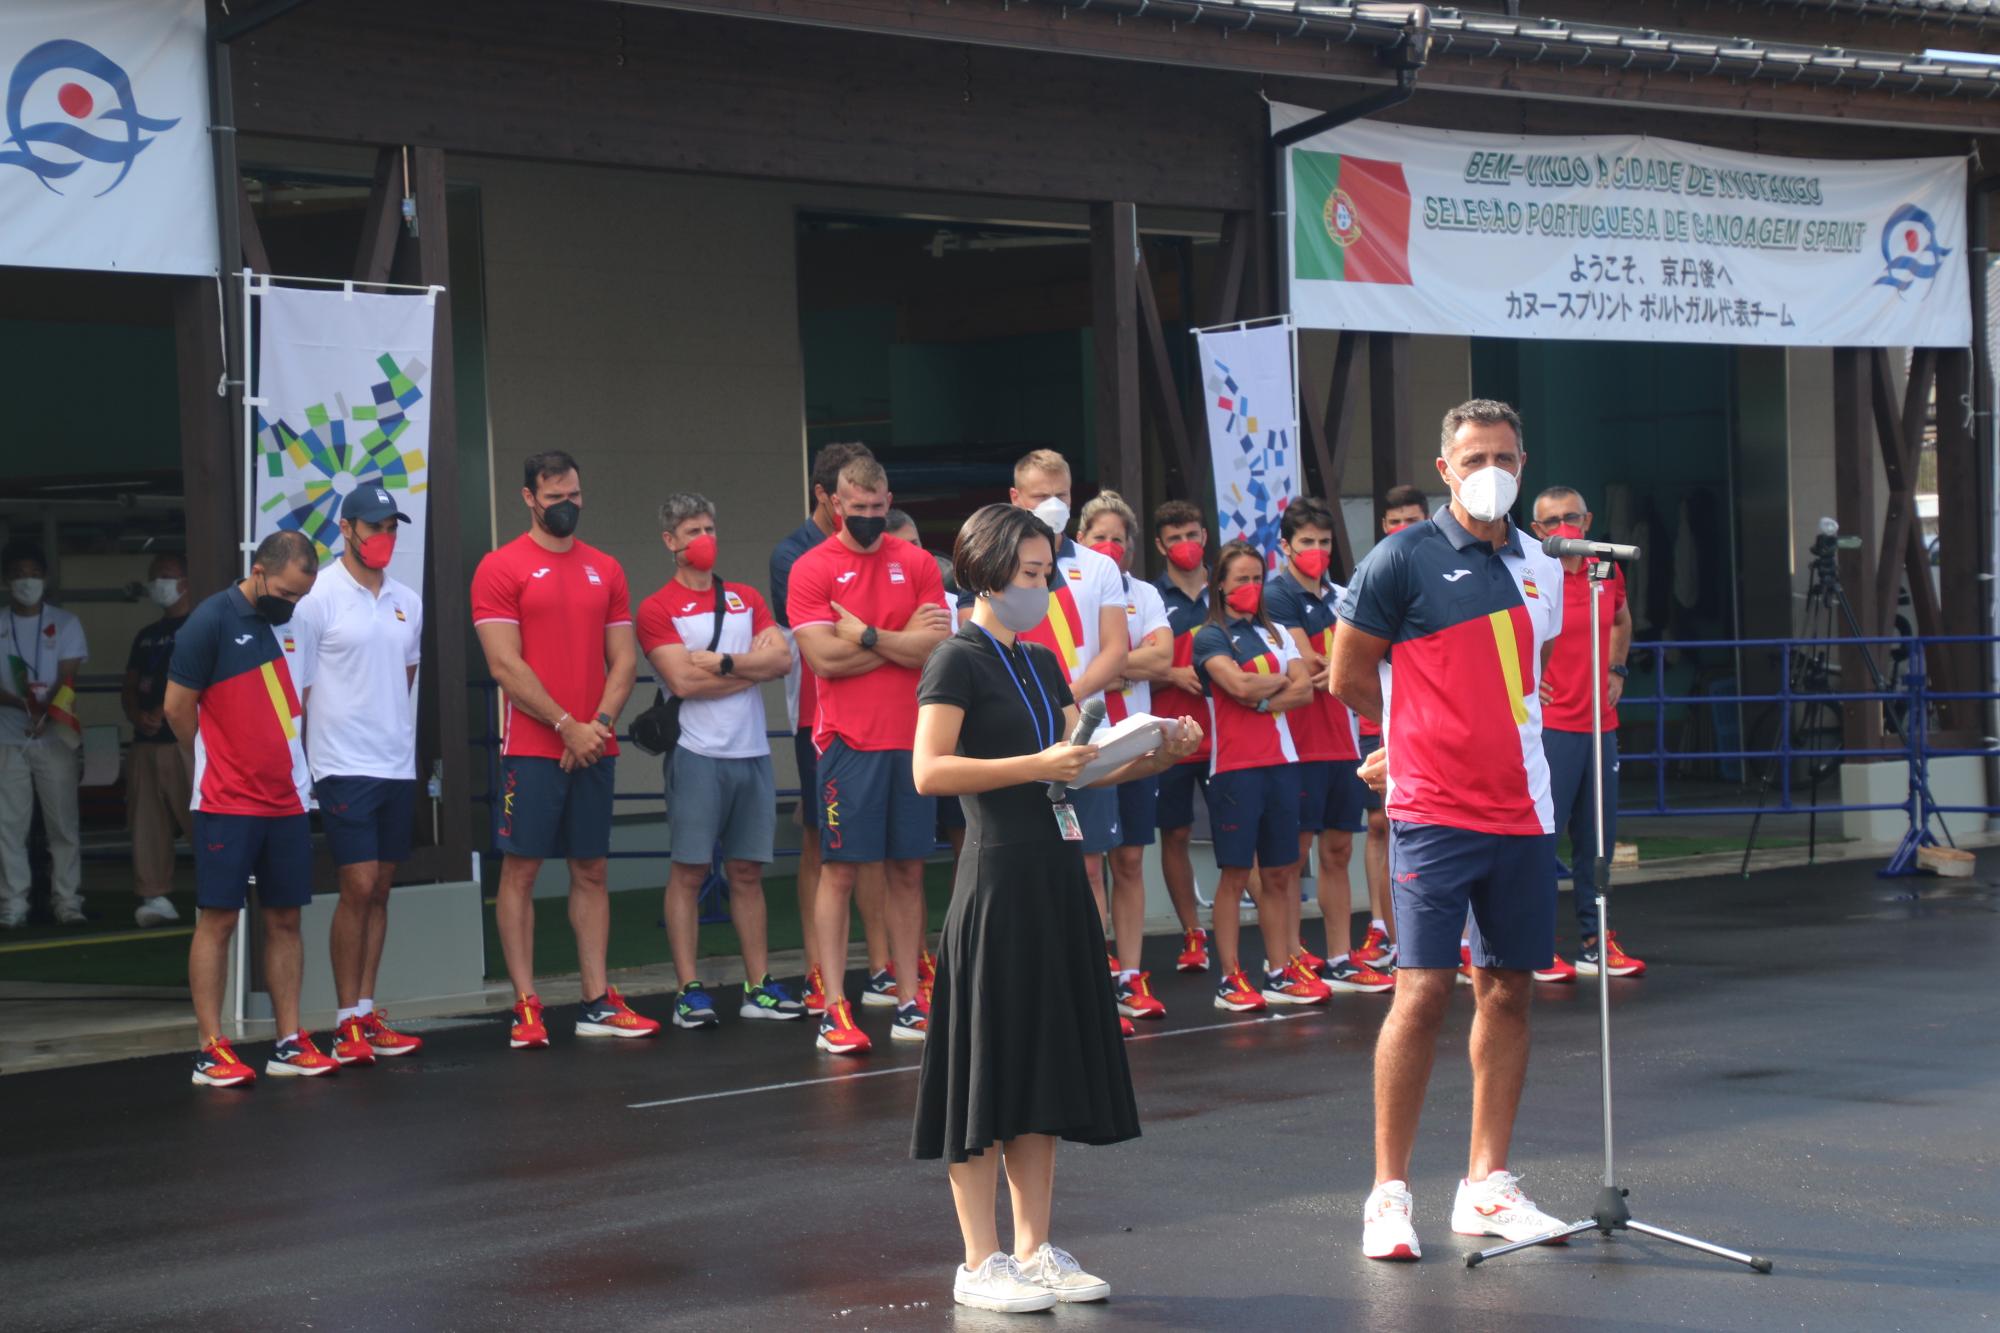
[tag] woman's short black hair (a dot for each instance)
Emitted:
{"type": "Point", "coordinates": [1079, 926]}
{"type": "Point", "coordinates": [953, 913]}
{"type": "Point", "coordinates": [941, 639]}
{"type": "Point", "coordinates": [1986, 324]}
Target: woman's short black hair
{"type": "Point", "coordinates": [986, 555]}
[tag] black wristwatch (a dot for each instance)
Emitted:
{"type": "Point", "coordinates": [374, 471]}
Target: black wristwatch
{"type": "Point", "coordinates": [1621, 670]}
{"type": "Point", "coordinates": [728, 665]}
{"type": "Point", "coordinates": [868, 637]}
{"type": "Point", "coordinates": [604, 719]}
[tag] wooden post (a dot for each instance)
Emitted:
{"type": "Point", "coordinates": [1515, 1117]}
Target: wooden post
{"type": "Point", "coordinates": [446, 612]}
{"type": "Point", "coordinates": [1961, 549]}
{"type": "Point", "coordinates": [1329, 430]}
{"type": "Point", "coordinates": [211, 464]}
{"type": "Point", "coordinates": [1856, 511]}
{"type": "Point", "coordinates": [1388, 410]}
{"type": "Point", "coordinates": [1166, 394]}
{"type": "Point", "coordinates": [1114, 257]}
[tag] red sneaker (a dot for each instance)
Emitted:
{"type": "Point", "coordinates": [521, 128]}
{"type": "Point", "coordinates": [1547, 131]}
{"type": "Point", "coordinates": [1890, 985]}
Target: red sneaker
{"type": "Point", "coordinates": [528, 1031]}
{"type": "Point", "coordinates": [815, 996]}
{"type": "Point", "coordinates": [926, 969]}
{"type": "Point", "coordinates": [1237, 995]}
{"type": "Point", "coordinates": [1194, 951]}
{"type": "Point", "coordinates": [1314, 963]}
{"type": "Point", "coordinates": [1374, 950]}
{"type": "Point", "coordinates": [385, 1039]}
{"type": "Point", "coordinates": [1136, 999]}
{"type": "Point", "coordinates": [612, 1017]}
{"type": "Point", "coordinates": [299, 1058]}
{"type": "Point", "coordinates": [1295, 984]}
{"type": "Point", "coordinates": [1617, 962]}
{"type": "Point", "coordinates": [1125, 1028]}
{"type": "Point", "coordinates": [216, 1066]}
{"type": "Point", "coordinates": [1465, 965]}
{"type": "Point", "coordinates": [350, 1044]}
{"type": "Point", "coordinates": [1112, 959]}
{"type": "Point", "coordinates": [837, 1033]}
{"type": "Point", "coordinates": [1557, 970]}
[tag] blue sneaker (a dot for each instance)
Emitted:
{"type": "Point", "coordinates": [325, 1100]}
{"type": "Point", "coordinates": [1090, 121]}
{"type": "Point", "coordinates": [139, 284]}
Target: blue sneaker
{"type": "Point", "coordinates": [880, 992]}
{"type": "Point", "coordinates": [769, 999]}
{"type": "Point", "coordinates": [913, 1022]}
{"type": "Point", "coordinates": [694, 1009]}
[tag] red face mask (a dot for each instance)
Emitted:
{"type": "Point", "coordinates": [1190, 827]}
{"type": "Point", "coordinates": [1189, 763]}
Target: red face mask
{"type": "Point", "coordinates": [374, 552]}
{"type": "Point", "coordinates": [1114, 551]}
{"type": "Point", "coordinates": [1312, 562]}
{"type": "Point", "coordinates": [1185, 555]}
{"type": "Point", "coordinates": [700, 553]}
{"type": "Point", "coordinates": [1567, 531]}
{"type": "Point", "coordinates": [1246, 599]}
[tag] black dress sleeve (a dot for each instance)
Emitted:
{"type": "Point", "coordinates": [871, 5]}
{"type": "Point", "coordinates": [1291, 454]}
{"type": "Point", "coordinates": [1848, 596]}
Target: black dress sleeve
{"type": "Point", "coordinates": [948, 675]}
{"type": "Point", "coordinates": [1051, 674]}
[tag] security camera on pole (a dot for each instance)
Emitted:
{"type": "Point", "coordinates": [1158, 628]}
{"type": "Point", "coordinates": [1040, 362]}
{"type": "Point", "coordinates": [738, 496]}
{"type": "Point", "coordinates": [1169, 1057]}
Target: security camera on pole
{"type": "Point", "coordinates": [1611, 1213]}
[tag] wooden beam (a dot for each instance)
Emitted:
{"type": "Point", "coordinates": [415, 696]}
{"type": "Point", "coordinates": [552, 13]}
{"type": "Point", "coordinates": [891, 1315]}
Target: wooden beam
{"type": "Point", "coordinates": [1338, 432]}
{"type": "Point", "coordinates": [255, 257]}
{"type": "Point", "coordinates": [1114, 257]}
{"type": "Point", "coordinates": [1962, 556]}
{"type": "Point", "coordinates": [1225, 294]}
{"type": "Point", "coordinates": [381, 218]}
{"type": "Point", "coordinates": [1389, 419]}
{"type": "Point", "coordinates": [1856, 511]}
{"type": "Point", "coordinates": [211, 465]}
{"type": "Point", "coordinates": [1166, 393]}
{"type": "Point", "coordinates": [446, 615]}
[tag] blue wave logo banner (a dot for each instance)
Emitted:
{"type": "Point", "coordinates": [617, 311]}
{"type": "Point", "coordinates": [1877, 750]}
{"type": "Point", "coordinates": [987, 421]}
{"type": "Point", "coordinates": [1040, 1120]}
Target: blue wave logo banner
{"type": "Point", "coordinates": [1910, 249]}
{"type": "Point", "coordinates": [78, 103]}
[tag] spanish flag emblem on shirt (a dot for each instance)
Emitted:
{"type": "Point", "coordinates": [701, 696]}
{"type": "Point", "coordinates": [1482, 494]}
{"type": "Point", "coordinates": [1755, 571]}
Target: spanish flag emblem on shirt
{"type": "Point", "coordinates": [1528, 587]}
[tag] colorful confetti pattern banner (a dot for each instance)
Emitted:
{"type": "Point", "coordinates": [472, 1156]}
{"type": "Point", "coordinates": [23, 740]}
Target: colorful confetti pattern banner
{"type": "Point", "coordinates": [1253, 435]}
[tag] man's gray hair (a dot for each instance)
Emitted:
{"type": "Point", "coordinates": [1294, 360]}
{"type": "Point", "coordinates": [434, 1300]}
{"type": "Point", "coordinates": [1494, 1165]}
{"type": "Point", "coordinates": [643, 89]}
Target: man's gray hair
{"type": "Point", "coordinates": [678, 509]}
{"type": "Point", "coordinates": [897, 520]}
{"type": "Point", "coordinates": [1557, 493]}
{"type": "Point", "coordinates": [1480, 411]}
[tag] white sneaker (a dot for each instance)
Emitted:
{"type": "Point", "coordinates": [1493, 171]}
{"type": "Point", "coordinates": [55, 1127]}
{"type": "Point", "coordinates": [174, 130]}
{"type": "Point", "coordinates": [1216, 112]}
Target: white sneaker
{"type": "Point", "coordinates": [1496, 1207]}
{"type": "Point", "coordinates": [13, 919]}
{"type": "Point", "coordinates": [1058, 1270]}
{"type": "Point", "coordinates": [998, 1285]}
{"type": "Point", "coordinates": [156, 912]}
{"type": "Point", "coordinates": [71, 914]}
{"type": "Point", "coordinates": [1386, 1232]}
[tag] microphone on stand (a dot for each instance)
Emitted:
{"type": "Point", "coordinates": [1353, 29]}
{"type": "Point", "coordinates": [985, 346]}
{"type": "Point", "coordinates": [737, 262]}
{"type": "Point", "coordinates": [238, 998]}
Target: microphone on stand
{"type": "Point", "coordinates": [1571, 546]}
{"type": "Point", "coordinates": [1087, 719]}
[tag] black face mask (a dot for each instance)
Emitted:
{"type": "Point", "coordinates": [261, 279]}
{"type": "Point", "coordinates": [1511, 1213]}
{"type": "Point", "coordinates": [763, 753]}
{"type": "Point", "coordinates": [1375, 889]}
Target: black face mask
{"type": "Point", "coordinates": [560, 518]}
{"type": "Point", "coordinates": [274, 609]}
{"type": "Point", "coordinates": [867, 529]}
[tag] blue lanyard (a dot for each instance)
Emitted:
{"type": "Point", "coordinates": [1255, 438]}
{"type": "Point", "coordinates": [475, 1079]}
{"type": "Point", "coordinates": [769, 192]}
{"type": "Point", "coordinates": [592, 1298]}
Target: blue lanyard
{"type": "Point", "coordinates": [1055, 728]}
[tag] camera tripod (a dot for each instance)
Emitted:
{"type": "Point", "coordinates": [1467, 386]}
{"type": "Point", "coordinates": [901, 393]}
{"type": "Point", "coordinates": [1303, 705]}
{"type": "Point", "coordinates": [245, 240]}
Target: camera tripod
{"type": "Point", "coordinates": [1611, 1213]}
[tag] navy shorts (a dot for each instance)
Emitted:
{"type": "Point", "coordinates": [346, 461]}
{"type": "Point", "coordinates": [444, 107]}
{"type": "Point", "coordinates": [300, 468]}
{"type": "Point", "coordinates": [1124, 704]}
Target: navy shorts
{"type": "Point", "coordinates": [870, 807]}
{"type": "Point", "coordinates": [951, 814]}
{"type": "Point", "coordinates": [1331, 796]}
{"type": "Point", "coordinates": [806, 754]}
{"type": "Point", "coordinates": [366, 819]}
{"type": "Point", "coordinates": [1138, 809]}
{"type": "Point", "coordinates": [229, 849]}
{"type": "Point", "coordinates": [546, 813]}
{"type": "Point", "coordinates": [1176, 800]}
{"type": "Point", "coordinates": [1254, 813]}
{"type": "Point", "coordinates": [1367, 744]}
{"type": "Point", "coordinates": [1508, 881]}
{"type": "Point", "coordinates": [1097, 811]}
{"type": "Point", "coordinates": [729, 804]}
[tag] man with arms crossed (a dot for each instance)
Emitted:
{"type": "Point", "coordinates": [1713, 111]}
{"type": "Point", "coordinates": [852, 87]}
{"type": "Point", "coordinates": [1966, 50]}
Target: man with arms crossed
{"type": "Point", "coordinates": [1180, 537]}
{"type": "Point", "coordinates": [360, 637]}
{"type": "Point", "coordinates": [555, 622]}
{"type": "Point", "coordinates": [233, 704]}
{"type": "Point", "coordinates": [868, 610]}
{"type": "Point", "coordinates": [720, 791]}
{"type": "Point", "coordinates": [1470, 610]}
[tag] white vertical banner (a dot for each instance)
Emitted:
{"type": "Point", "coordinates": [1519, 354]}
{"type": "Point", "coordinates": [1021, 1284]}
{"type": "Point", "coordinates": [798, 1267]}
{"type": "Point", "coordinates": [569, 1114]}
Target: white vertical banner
{"type": "Point", "coordinates": [342, 401]}
{"type": "Point", "coordinates": [1249, 379]}
{"type": "Point", "coordinates": [104, 151]}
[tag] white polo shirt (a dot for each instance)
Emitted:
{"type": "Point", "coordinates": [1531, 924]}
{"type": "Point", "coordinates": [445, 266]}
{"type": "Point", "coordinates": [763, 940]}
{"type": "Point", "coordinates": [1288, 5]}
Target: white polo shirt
{"type": "Point", "coordinates": [355, 648]}
{"type": "Point", "coordinates": [1086, 583]}
{"type": "Point", "coordinates": [1145, 611]}
{"type": "Point", "coordinates": [732, 727]}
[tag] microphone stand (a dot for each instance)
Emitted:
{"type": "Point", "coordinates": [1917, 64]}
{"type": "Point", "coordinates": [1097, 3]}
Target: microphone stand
{"type": "Point", "coordinates": [1611, 1213]}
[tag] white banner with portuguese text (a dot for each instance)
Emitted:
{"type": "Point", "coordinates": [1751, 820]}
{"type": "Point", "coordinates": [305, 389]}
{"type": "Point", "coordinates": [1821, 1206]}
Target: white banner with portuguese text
{"type": "Point", "coordinates": [344, 382]}
{"type": "Point", "coordinates": [104, 152]}
{"type": "Point", "coordinates": [1625, 238]}
{"type": "Point", "coordinates": [1248, 384]}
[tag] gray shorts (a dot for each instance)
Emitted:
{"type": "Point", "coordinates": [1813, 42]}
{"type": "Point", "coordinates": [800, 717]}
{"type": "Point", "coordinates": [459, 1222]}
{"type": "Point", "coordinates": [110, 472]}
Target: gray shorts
{"type": "Point", "coordinates": [732, 802]}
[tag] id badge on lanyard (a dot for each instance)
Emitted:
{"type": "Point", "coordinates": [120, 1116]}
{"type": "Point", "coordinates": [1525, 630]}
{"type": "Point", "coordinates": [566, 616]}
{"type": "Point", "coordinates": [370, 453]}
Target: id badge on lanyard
{"type": "Point", "coordinates": [1067, 822]}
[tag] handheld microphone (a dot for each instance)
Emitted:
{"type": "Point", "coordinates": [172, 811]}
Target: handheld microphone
{"type": "Point", "coordinates": [1571, 546]}
{"type": "Point", "coordinates": [1087, 719]}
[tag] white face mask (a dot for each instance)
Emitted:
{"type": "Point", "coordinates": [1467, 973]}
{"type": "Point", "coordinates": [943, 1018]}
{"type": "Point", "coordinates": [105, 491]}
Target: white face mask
{"type": "Point", "coordinates": [164, 592]}
{"type": "Point", "coordinates": [1488, 493]}
{"type": "Point", "coordinates": [28, 592]}
{"type": "Point", "coordinates": [1054, 511]}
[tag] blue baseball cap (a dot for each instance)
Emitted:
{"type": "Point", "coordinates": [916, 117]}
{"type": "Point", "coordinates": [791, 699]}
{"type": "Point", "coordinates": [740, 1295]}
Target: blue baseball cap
{"type": "Point", "coordinates": [371, 504]}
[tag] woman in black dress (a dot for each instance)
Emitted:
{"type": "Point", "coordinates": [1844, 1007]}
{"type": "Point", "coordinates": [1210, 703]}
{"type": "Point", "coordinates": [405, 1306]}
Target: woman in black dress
{"type": "Point", "coordinates": [1024, 1044]}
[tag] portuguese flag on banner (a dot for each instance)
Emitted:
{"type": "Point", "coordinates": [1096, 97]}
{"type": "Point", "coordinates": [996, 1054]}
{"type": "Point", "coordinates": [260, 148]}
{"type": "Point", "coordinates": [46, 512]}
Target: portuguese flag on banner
{"type": "Point", "coordinates": [1352, 220]}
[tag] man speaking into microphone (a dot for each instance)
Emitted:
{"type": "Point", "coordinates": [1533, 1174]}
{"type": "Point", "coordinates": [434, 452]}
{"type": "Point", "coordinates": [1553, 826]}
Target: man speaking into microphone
{"type": "Point", "coordinates": [1468, 611]}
